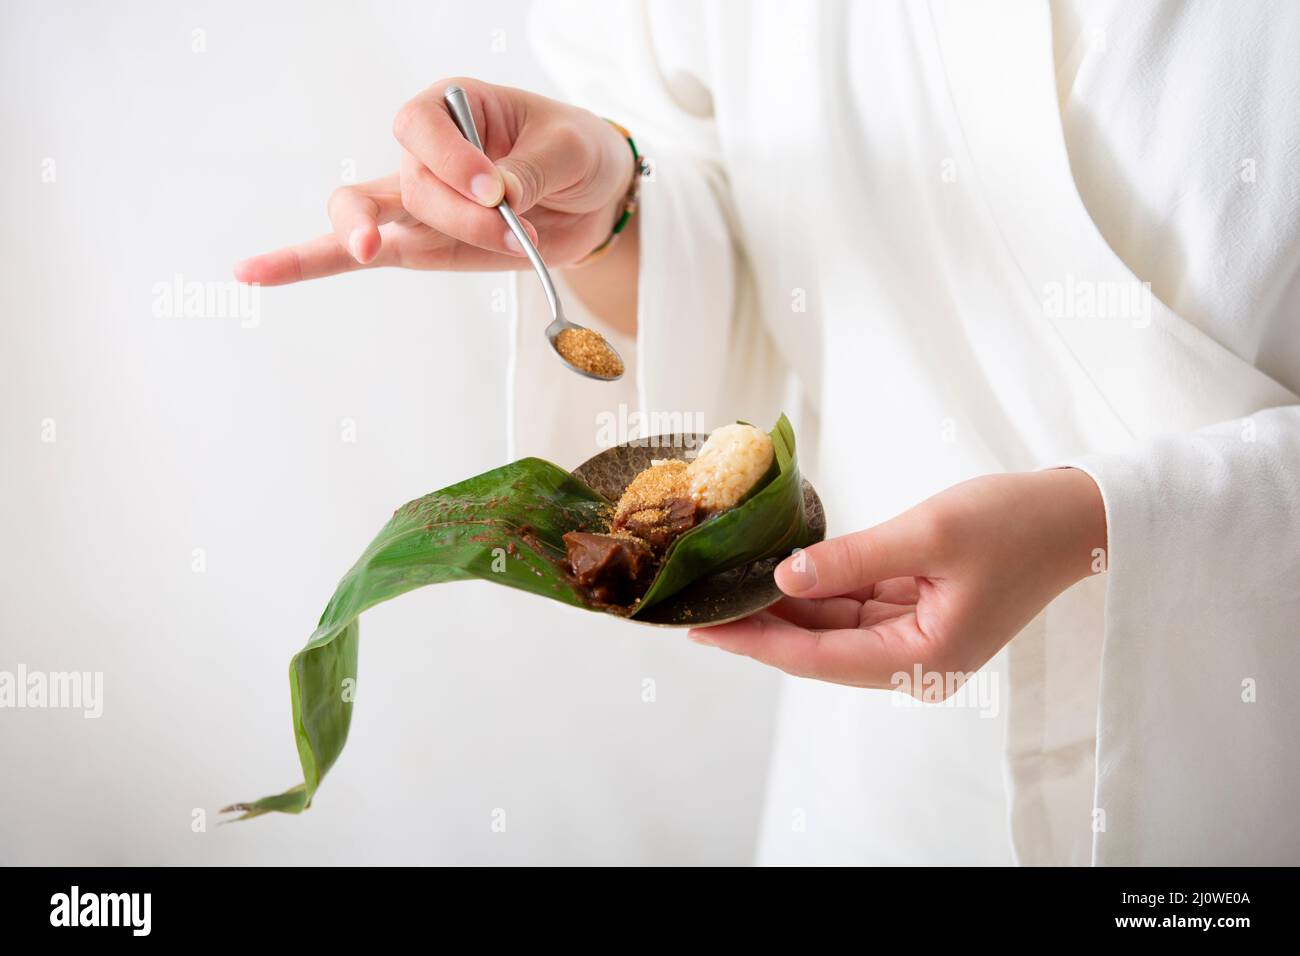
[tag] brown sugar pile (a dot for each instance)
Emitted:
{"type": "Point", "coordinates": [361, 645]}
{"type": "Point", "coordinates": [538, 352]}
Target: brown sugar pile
{"type": "Point", "coordinates": [589, 351]}
{"type": "Point", "coordinates": [653, 487]}
{"type": "Point", "coordinates": [657, 505]}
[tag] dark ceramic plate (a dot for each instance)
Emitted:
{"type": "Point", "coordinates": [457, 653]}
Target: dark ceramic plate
{"type": "Point", "coordinates": [718, 598]}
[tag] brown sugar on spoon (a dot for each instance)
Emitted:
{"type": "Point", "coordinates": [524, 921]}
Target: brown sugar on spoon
{"type": "Point", "coordinates": [589, 351]}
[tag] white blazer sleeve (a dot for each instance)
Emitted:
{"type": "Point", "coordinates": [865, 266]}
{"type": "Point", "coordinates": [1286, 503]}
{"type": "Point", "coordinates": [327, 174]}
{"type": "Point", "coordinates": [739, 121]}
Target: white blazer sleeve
{"type": "Point", "coordinates": [701, 356]}
{"type": "Point", "coordinates": [1198, 705]}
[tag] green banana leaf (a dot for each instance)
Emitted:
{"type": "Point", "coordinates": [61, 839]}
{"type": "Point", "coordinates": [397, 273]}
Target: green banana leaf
{"type": "Point", "coordinates": [507, 526]}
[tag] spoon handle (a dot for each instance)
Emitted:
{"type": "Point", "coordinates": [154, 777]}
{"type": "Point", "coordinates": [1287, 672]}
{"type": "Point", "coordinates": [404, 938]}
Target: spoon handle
{"type": "Point", "coordinates": [461, 114]}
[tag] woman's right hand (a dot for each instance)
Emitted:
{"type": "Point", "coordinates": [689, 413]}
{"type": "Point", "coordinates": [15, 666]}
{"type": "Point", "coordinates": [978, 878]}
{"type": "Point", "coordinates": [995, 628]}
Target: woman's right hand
{"type": "Point", "coordinates": [564, 170]}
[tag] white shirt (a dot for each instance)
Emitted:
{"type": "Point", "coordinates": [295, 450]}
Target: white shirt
{"type": "Point", "coordinates": [866, 214]}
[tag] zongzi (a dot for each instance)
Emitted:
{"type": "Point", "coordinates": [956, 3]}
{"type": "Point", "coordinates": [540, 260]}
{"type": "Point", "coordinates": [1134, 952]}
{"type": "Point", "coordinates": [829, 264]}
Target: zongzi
{"type": "Point", "coordinates": [534, 526]}
{"type": "Point", "coordinates": [660, 504]}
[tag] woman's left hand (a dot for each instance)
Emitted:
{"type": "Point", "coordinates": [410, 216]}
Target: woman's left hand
{"type": "Point", "coordinates": [944, 585]}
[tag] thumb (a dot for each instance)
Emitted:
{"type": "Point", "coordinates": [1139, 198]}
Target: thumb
{"type": "Point", "coordinates": [525, 179]}
{"type": "Point", "coordinates": [898, 548]}
{"type": "Point", "coordinates": [542, 162]}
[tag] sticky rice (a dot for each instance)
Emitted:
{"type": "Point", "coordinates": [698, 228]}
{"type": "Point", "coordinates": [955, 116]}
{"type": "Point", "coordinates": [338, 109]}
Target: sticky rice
{"type": "Point", "coordinates": [730, 464]}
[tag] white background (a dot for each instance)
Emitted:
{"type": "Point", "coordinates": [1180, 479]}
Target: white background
{"type": "Point", "coordinates": [175, 434]}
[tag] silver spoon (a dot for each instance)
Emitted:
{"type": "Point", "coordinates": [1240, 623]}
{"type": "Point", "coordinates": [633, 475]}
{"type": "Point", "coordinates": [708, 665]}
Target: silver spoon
{"type": "Point", "coordinates": [463, 117]}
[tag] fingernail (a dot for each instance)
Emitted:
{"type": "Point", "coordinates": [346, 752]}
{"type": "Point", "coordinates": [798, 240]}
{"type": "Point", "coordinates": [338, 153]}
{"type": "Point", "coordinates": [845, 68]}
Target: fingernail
{"type": "Point", "coordinates": [354, 243]}
{"type": "Point", "coordinates": [797, 573]}
{"type": "Point", "coordinates": [487, 189]}
{"type": "Point", "coordinates": [513, 244]}
{"type": "Point", "coordinates": [699, 638]}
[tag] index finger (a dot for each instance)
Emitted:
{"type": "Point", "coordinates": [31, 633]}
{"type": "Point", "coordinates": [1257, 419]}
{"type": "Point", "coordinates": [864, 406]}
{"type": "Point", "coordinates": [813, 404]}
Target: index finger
{"type": "Point", "coordinates": [313, 259]}
{"type": "Point", "coordinates": [426, 130]}
{"type": "Point", "coordinates": [356, 213]}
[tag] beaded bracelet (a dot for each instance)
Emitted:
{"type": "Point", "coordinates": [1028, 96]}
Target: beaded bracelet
{"type": "Point", "coordinates": [641, 169]}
